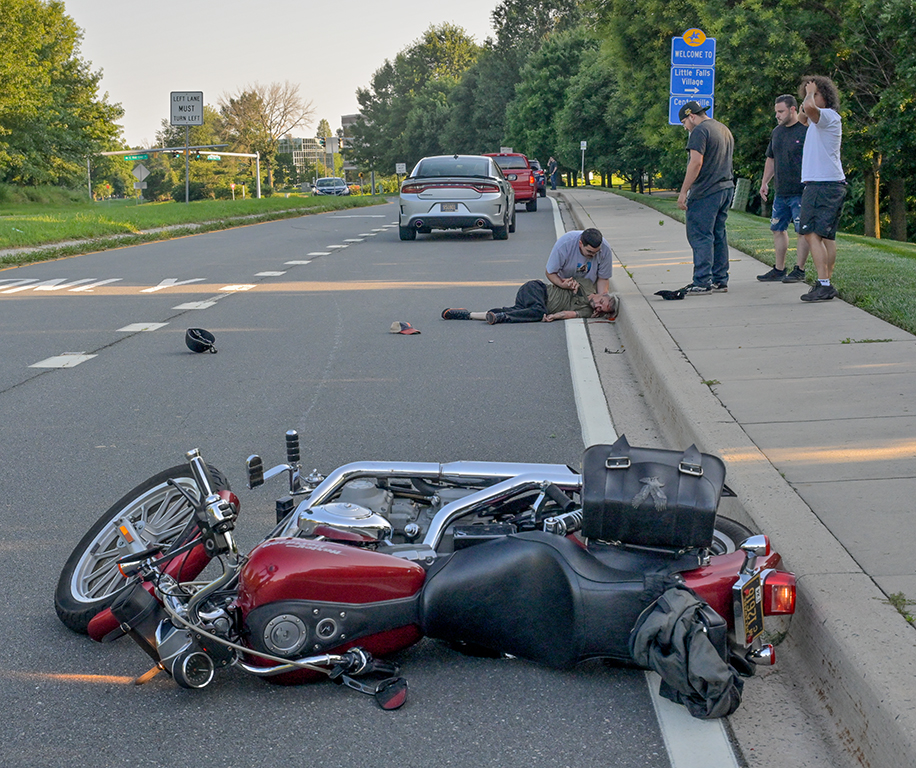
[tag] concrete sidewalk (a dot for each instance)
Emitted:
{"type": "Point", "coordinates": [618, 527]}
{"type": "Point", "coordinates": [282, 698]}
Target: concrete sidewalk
{"type": "Point", "coordinates": [813, 407]}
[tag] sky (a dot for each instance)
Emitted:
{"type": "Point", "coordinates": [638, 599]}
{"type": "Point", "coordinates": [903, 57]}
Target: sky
{"type": "Point", "coordinates": [147, 50]}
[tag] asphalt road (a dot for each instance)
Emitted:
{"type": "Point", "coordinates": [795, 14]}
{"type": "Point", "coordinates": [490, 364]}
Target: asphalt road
{"type": "Point", "coordinates": [303, 343]}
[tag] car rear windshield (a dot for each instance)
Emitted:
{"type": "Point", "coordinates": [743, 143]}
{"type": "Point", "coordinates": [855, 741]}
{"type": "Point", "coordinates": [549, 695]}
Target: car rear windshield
{"type": "Point", "coordinates": [449, 166]}
{"type": "Point", "coordinates": [511, 162]}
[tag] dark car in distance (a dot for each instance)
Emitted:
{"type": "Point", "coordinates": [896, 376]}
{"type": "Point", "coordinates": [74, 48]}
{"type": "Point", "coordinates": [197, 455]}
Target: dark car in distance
{"type": "Point", "coordinates": [540, 177]}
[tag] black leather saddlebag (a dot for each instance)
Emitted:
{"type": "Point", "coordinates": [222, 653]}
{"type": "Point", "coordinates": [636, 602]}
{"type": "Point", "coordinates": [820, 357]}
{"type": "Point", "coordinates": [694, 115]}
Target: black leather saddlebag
{"type": "Point", "coordinates": [650, 496]}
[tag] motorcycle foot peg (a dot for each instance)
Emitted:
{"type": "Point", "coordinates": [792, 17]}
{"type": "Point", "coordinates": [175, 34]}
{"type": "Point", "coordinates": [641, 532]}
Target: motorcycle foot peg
{"type": "Point", "coordinates": [292, 447]}
{"type": "Point", "coordinates": [765, 656]}
{"type": "Point", "coordinates": [255, 467]}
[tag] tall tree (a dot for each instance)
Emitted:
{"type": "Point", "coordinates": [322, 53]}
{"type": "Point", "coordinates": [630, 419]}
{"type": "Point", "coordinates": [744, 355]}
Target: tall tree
{"type": "Point", "coordinates": [258, 116]}
{"type": "Point", "coordinates": [393, 107]}
{"type": "Point", "coordinates": [541, 92]}
{"type": "Point", "coordinates": [51, 116]}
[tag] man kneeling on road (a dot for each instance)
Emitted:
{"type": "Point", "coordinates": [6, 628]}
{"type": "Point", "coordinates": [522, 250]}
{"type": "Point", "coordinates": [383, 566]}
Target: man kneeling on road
{"type": "Point", "coordinates": [536, 302]}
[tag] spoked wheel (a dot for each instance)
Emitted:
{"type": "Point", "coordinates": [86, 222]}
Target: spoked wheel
{"type": "Point", "coordinates": [728, 536]}
{"type": "Point", "coordinates": [152, 513]}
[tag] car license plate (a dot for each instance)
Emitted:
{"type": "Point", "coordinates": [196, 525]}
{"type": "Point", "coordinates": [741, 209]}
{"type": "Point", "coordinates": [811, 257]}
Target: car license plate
{"type": "Point", "coordinates": [751, 602]}
{"type": "Point", "coordinates": [448, 207]}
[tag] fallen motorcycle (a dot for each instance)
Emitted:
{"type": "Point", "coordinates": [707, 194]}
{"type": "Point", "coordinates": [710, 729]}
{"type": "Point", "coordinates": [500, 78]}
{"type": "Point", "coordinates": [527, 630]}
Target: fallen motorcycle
{"type": "Point", "coordinates": [626, 561]}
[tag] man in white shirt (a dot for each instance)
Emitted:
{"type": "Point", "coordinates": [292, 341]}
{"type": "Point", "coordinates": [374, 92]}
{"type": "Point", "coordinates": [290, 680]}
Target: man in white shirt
{"type": "Point", "coordinates": [824, 180]}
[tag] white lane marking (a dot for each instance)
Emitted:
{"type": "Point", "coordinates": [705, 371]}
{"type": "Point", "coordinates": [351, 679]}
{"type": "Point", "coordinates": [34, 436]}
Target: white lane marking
{"type": "Point", "coordinates": [170, 282]}
{"type": "Point", "coordinates": [379, 229]}
{"type": "Point", "coordinates": [597, 428]}
{"type": "Point", "coordinates": [269, 274]}
{"type": "Point", "coordinates": [319, 253]}
{"type": "Point", "coordinates": [691, 743]}
{"type": "Point", "coordinates": [368, 234]}
{"type": "Point", "coordinates": [135, 327]}
{"type": "Point", "coordinates": [300, 263]}
{"type": "Point", "coordinates": [353, 239]}
{"type": "Point", "coordinates": [336, 246]}
{"type": "Point", "coordinates": [96, 284]}
{"type": "Point", "coordinates": [360, 216]}
{"type": "Point", "coordinates": [57, 284]}
{"type": "Point", "coordinates": [196, 305]}
{"type": "Point", "coordinates": [67, 360]}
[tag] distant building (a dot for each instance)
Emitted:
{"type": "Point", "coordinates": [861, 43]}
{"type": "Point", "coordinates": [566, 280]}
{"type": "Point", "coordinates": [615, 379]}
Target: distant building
{"type": "Point", "coordinates": [305, 152]}
{"type": "Point", "coordinates": [346, 121]}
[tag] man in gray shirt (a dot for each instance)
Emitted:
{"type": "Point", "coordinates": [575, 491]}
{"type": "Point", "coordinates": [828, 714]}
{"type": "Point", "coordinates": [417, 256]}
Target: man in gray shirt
{"type": "Point", "coordinates": [706, 195]}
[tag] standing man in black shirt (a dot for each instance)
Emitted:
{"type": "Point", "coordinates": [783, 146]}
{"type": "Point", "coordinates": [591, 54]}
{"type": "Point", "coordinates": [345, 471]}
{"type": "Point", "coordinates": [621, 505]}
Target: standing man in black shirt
{"type": "Point", "coordinates": [784, 160]}
{"type": "Point", "coordinates": [708, 182]}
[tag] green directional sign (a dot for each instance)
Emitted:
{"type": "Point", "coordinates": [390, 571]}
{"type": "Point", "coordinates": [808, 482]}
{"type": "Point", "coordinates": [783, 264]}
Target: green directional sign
{"type": "Point", "coordinates": [136, 157]}
{"type": "Point", "coordinates": [212, 157]}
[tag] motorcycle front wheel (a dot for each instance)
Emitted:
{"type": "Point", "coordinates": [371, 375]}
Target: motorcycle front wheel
{"type": "Point", "coordinates": [153, 513]}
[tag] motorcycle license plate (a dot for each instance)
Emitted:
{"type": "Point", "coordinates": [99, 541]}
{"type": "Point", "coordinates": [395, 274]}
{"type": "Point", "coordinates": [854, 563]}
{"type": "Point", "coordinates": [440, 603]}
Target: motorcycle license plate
{"type": "Point", "coordinates": [750, 599]}
{"type": "Point", "coordinates": [449, 207]}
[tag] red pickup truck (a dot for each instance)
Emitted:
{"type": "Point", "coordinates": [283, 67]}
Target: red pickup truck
{"type": "Point", "coordinates": [518, 172]}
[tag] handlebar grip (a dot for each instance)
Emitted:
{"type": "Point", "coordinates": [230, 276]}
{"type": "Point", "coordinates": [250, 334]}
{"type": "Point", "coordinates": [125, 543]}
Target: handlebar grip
{"type": "Point", "coordinates": [200, 472]}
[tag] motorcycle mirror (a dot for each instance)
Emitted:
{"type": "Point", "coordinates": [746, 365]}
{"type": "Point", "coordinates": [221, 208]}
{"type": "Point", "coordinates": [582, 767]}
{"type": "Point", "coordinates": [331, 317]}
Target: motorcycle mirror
{"type": "Point", "coordinates": [391, 693]}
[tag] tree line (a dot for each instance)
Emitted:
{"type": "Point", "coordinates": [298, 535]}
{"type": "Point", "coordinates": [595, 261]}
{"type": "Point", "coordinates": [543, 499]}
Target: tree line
{"type": "Point", "coordinates": [556, 72]}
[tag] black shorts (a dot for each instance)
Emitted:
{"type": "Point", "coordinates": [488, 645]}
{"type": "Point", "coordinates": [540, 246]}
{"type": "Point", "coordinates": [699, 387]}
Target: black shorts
{"type": "Point", "coordinates": [821, 205]}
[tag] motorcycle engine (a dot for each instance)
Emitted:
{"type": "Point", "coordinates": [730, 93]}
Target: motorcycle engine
{"type": "Point", "coordinates": [367, 512]}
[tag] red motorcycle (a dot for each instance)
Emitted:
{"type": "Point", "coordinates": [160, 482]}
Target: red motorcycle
{"type": "Point", "coordinates": [626, 561]}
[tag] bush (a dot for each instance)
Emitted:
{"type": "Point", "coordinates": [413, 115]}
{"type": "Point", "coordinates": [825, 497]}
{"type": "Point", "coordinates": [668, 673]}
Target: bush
{"type": "Point", "coordinates": [197, 190]}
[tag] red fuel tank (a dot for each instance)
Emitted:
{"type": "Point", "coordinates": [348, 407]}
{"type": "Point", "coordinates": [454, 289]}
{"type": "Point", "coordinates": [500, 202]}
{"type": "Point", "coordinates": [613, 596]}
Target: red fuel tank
{"type": "Point", "coordinates": [305, 569]}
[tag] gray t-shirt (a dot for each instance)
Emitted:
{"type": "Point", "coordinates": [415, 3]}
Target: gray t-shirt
{"type": "Point", "coordinates": [567, 260]}
{"type": "Point", "coordinates": [715, 142]}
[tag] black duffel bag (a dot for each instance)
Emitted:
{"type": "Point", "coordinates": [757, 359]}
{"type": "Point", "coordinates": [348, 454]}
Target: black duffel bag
{"type": "Point", "coordinates": [650, 497]}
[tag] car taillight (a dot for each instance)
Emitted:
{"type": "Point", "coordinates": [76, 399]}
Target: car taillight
{"type": "Point", "coordinates": [486, 188]}
{"type": "Point", "coordinates": [779, 593]}
{"type": "Point", "coordinates": [531, 180]}
{"type": "Point", "coordinates": [412, 189]}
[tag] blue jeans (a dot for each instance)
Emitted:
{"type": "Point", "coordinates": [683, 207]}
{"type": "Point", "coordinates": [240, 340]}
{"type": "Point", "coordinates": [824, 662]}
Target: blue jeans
{"type": "Point", "coordinates": [706, 235]}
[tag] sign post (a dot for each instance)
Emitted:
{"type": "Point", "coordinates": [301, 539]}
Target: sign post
{"type": "Point", "coordinates": [187, 109]}
{"type": "Point", "coordinates": [693, 73]}
{"type": "Point", "coordinates": [583, 145]}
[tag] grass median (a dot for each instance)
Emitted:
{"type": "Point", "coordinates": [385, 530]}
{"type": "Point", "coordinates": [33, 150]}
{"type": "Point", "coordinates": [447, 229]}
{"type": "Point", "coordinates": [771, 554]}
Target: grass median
{"type": "Point", "coordinates": [878, 276]}
{"type": "Point", "coordinates": [31, 232]}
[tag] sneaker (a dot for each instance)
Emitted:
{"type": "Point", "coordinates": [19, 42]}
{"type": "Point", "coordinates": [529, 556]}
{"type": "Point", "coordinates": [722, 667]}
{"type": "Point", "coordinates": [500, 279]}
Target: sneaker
{"type": "Point", "coordinates": [496, 317]}
{"type": "Point", "coordinates": [456, 314]}
{"type": "Point", "coordinates": [773, 276]}
{"type": "Point", "coordinates": [719, 287]}
{"type": "Point", "coordinates": [795, 276]}
{"type": "Point", "coordinates": [697, 290]}
{"type": "Point", "coordinates": [820, 292]}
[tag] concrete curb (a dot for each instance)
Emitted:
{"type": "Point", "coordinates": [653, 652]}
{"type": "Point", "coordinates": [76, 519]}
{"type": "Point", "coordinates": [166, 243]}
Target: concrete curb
{"type": "Point", "coordinates": [861, 656]}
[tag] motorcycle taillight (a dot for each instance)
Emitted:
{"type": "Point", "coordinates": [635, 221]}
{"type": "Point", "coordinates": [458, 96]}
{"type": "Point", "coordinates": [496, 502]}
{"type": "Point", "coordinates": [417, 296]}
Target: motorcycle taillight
{"type": "Point", "coordinates": [779, 593]}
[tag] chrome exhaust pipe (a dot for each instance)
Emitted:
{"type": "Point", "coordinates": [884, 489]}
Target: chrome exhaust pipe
{"type": "Point", "coordinates": [418, 224]}
{"type": "Point", "coordinates": [480, 223]}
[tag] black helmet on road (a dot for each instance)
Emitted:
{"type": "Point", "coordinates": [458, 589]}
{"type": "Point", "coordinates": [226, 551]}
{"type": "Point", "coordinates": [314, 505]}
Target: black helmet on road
{"type": "Point", "coordinates": [199, 340]}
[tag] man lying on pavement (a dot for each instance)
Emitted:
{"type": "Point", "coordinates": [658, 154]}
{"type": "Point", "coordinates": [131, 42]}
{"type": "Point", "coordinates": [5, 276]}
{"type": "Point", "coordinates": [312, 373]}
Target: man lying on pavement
{"type": "Point", "coordinates": [536, 302]}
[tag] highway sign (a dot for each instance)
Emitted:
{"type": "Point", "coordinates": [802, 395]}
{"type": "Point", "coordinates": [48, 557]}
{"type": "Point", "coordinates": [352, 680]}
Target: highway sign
{"type": "Point", "coordinates": [693, 48]}
{"type": "Point", "coordinates": [136, 157]}
{"type": "Point", "coordinates": [140, 171]}
{"type": "Point", "coordinates": [676, 102]}
{"type": "Point", "coordinates": [693, 81]}
{"type": "Point", "coordinates": [187, 108]}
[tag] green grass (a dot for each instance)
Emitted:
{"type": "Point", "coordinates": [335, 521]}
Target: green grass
{"type": "Point", "coordinates": [95, 226]}
{"type": "Point", "coordinates": [878, 276]}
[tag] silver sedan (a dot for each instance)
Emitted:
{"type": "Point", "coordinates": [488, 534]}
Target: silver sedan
{"type": "Point", "coordinates": [456, 192]}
